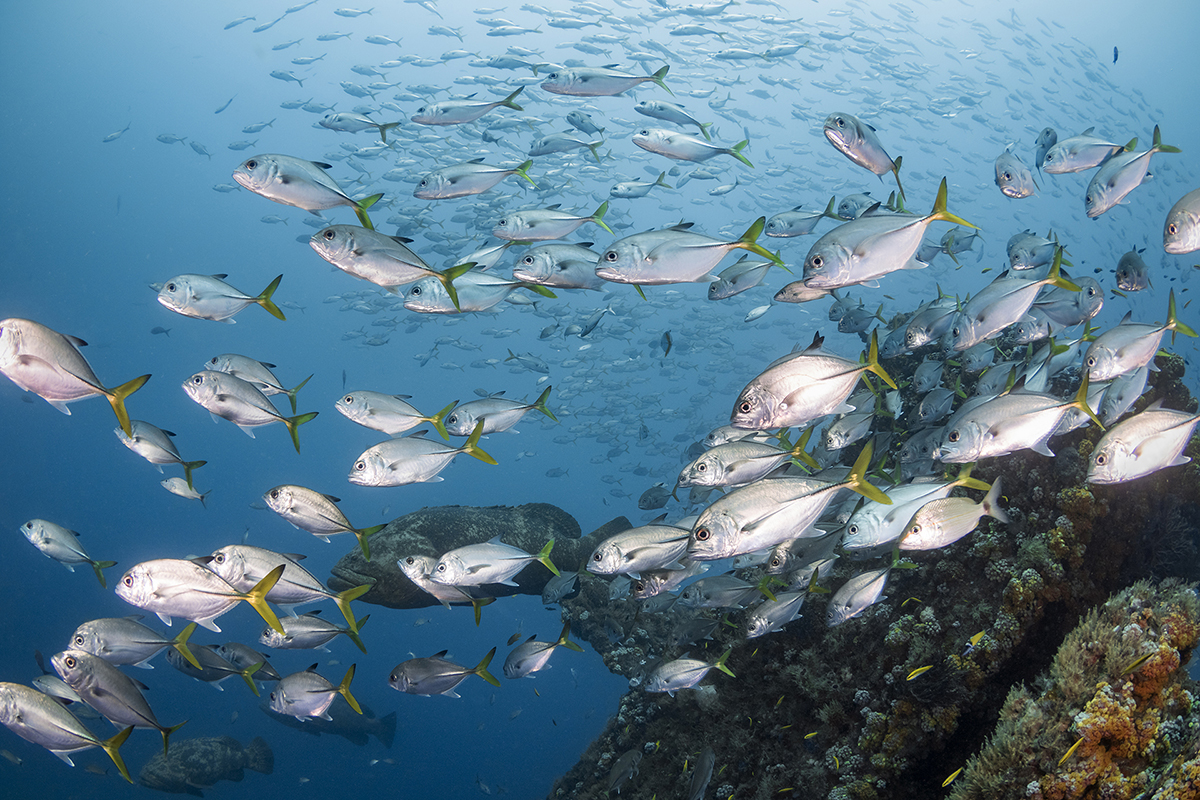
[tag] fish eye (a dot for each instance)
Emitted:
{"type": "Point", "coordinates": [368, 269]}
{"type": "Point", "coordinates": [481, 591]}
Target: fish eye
{"type": "Point", "coordinates": [441, 567]}
{"type": "Point", "coordinates": [127, 580]}
{"type": "Point", "coordinates": [219, 558]}
{"type": "Point", "coordinates": [197, 380]}
{"type": "Point", "coordinates": [1091, 362]}
{"type": "Point", "coordinates": [274, 494]}
{"type": "Point", "coordinates": [1172, 229]}
{"type": "Point", "coordinates": [421, 110]}
{"type": "Point", "coordinates": [952, 436]}
{"type": "Point", "coordinates": [611, 255]}
{"type": "Point", "coordinates": [410, 560]}
{"type": "Point", "coordinates": [703, 534]}
{"type": "Point", "coordinates": [416, 291]}
{"type": "Point", "coordinates": [348, 399]}
{"type": "Point", "coordinates": [852, 530]}
{"type": "Point", "coordinates": [251, 164]}
{"type": "Point", "coordinates": [170, 287]}
{"type": "Point", "coordinates": [502, 223]}
{"type": "Point", "coordinates": [1101, 459]}
{"type": "Point", "coordinates": [956, 331]}
{"type": "Point", "coordinates": [452, 419]}
{"type": "Point", "coordinates": [552, 75]}
{"type": "Point", "coordinates": [914, 530]}
{"type": "Point", "coordinates": [527, 260]}
{"type": "Point", "coordinates": [701, 467]}
{"type": "Point", "coordinates": [424, 183]}
{"type": "Point", "coordinates": [359, 466]}
{"type": "Point", "coordinates": [70, 662]}
{"type": "Point", "coordinates": [841, 123]}
{"type": "Point", "coordinates": [328, 234]}
{"type": "Point", "coordinates": [776, 561]}
{"type": "Point", "coordinates": [745, 407]}
{"type": "Point", "coordinates": [595, 556]}
{"type": "Point", "coordinates": [1088, 199]}
{"type": "Point", "coordinates": [1007, 176]}
{"type": "Point", "coordinates": [818, 262]}
{"type": "Point", "coordinates": [272, 695]}
{"type": "Point", "coordinates": [78, 640]}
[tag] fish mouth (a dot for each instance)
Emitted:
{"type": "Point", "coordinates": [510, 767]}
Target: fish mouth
{"type": "Point", "coordinates": [244, 179]}
{"type": "Point", "coordinates": [350, 577]}
{"type": "Point", "coordinates": [610, 274]}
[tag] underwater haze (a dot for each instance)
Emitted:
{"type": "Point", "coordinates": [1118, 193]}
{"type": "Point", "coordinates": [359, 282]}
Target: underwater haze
{"type": "Point", "coordinates": [125, 121]}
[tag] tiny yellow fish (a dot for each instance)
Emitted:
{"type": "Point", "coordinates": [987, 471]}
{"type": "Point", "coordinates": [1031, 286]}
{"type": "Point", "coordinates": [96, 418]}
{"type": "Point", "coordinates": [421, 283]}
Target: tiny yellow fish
{"type": "Point", "coordinates": [811, 735]}
{"type": "Point", "coordinates": [1137, 663]}
{"type": "Point", "coordinates": [1071, 750]}
{"type": "Point", "coordinates": [919, 671]}
{"type": "Point", "coordinates": [953, 775]}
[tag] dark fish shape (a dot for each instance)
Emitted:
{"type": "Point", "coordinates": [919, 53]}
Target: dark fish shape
{"type": "Point", "coordinates": [196, 763]}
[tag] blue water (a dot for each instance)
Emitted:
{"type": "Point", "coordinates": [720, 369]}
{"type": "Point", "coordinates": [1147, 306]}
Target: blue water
{"type": "Point", "coordinates": [90, 224]}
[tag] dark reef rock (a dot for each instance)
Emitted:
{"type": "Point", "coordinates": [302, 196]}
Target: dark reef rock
{"type": "Point", "coordinates": [820, 712]}
{"type": "Point", "coordinates": [195, 764]}
{"type": "Point", "coordinates": [434, 531]}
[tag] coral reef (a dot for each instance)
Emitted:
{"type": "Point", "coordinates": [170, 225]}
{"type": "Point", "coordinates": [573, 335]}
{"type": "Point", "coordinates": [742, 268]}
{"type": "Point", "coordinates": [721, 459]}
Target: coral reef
{"type": "Point", "coordinates": [1114, 717]}
{"type": "Point", "coordinates": [838, 713]}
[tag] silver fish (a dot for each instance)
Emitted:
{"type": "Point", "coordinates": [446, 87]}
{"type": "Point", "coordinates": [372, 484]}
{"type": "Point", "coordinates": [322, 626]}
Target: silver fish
{"type": "Point", "coordinates": [857, 141]}
{"type": "Point", "coordinates": [634, 189]}
{"type": "Point", "coordinates": [383, 260]}
{"type": "Point", "coordinates": [685, 146]}
{"type": "Point", "coordinates": [49, 364]}
{"type": "Point", "coordinates": [684, 673]}
{"type": "Point", "coordinates": [387, 413]}
{"type": "Point", "coordinates": [1120, 175]}
{"type": "Point", "coordinates": [598, 81]}
{"type": "Point", "coordinates": [243, 566]}
{"type": "Point", "coordinates": [492, 561]}
{"type": "Point", "coordinates": [862, 250]}
{"type": "Point", "coordinates": [412, 459]}
{"type": "Point", "coordinates": [1129, 345]}
{"type": "Point", "coordinates": [543, 224]}
{"type": "Point", "coordinates": [295, 182]}
{"type": "Point", "coordinates": [797, 222]}
{"type": "Point", "coordinates": [674, 255]}
{"type": "Point", "coordinates": [124, 640]}
{"type": "Point", "coordinates": [801, 387]}
{"type": "Point", "coordinates": [62, 545]}
{"type": "Point", "coordinates": [560, 265]}
{"type": "Point", "coordinates": [1014, 178]}
{"type": "Point", "coordinates": [310, 632]}
{"type": "Point", "coordinates": [181, 588]}
{"type": "Point", "coordinates": [531, 655]}
{"type": "Point", "coordinates": [467, 178]}
{"type": "Point", "coordinates": [1142, 445]}
{"type": "Point", "coordinates": [436, 675]}
{"type": "Point", "coordinates": [457, 112]}
{"type": "Point", "coordinates": [238, 401]}
{"type": "Point", "coordinates": [306, 694]}
{"type": "Point", "coordinates": [110, 691]}
{"type": "Point", "coordinates": [942, 522]}
{"type": "Point", "coordinates": [316, 513]}
{"type": "Point", "coordinates": [353, 123]}
{"type": "Point", "coordinates": [209, 297]}
{"type": "Point", "coordinates": [1181, 231]}
{"type": "Point", "coordinates": [631, 552]}
{"type": "Point", "coordinates": [856, 595]}
{"type": "Point", "coordinates": [1078, 153]}
{"type": "Point", "coordinates": [1132, 273]}
{"type": "Point", "coordinates": [155, 445]}
{"type": "Point", "coordinates": [40, 719]}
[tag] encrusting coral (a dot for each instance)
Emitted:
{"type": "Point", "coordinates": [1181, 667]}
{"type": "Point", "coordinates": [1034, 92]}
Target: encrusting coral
{"type": "Point", "coordinates": [1114, 717]}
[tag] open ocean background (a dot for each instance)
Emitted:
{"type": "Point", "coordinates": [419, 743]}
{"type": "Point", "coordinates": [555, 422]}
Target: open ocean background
{"type": "Point", "coordinates": [90, 224]}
